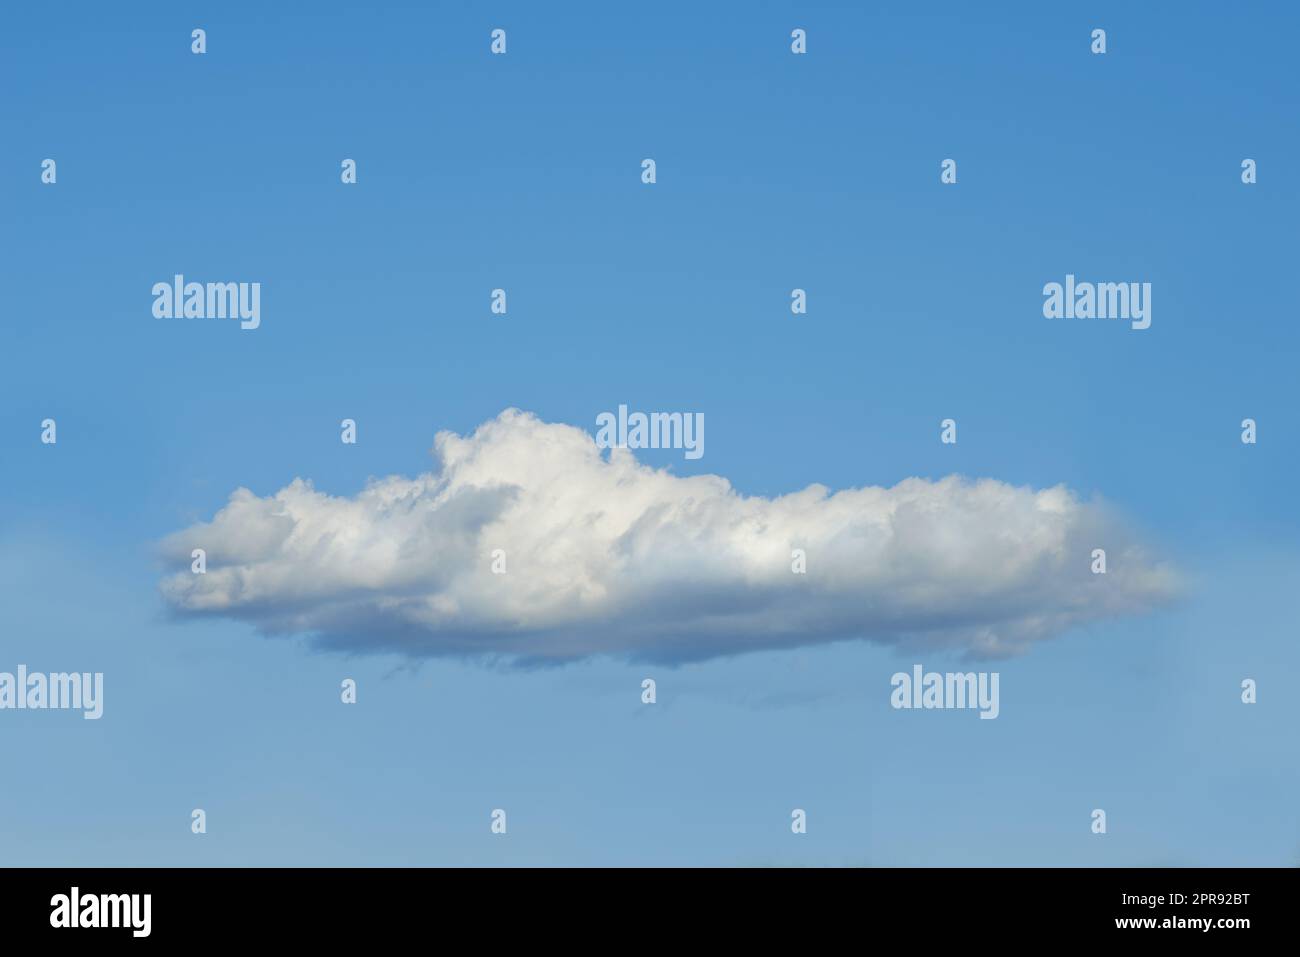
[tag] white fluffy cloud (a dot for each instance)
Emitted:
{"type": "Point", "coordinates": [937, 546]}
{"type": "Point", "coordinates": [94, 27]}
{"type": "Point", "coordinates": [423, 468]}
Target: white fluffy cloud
{"type": "Point", "coordinates": [606, 555]}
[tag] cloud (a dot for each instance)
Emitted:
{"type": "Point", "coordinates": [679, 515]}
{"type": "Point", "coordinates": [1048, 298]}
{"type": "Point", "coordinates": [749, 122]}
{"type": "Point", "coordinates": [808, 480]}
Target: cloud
{"type": "Point", "coordinates": [605, 555]}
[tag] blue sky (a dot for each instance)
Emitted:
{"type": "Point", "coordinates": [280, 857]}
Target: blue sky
{"type": "Point", "coordinates": [775, 171]}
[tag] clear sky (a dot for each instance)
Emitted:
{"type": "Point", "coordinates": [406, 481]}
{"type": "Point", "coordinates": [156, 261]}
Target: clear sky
{"type": "Point", "coordinates": [775, 171]}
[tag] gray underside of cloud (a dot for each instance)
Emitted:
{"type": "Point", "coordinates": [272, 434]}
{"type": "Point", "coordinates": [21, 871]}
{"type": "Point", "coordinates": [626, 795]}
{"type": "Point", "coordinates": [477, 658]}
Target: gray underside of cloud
{"type": "Point", "coordinates": [604, 555]}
